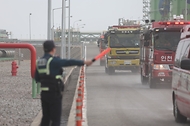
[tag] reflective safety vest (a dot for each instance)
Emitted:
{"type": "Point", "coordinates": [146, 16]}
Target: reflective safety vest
{"type": "Point", "coordinates": [43, 68]}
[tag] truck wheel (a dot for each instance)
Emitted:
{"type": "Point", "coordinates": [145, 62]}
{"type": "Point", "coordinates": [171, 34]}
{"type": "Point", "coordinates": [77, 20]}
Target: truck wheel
{"type": "Point", "coordinates": [144, 80]}
{"type": "Point", "coordinates": [179, 118]}
{"type": "Point", "coordinates": [151, 83]}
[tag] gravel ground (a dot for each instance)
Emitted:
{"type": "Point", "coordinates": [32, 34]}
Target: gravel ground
{"type": "Point", "coordinates": [17, 107]}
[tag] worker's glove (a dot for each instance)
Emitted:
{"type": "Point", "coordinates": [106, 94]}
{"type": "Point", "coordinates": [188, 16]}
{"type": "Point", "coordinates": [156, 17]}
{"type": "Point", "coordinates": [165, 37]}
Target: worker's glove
{"type": "Point", "coordinates": [88, 62]}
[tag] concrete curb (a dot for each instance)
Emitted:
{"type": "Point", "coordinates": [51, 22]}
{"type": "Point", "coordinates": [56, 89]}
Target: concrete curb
{"type": "Point", "coordinates": [72, 114]}
{"type": "Point", "coordinates": [71, 119]}
{"type": "Point", "coordinates": [37, 119]}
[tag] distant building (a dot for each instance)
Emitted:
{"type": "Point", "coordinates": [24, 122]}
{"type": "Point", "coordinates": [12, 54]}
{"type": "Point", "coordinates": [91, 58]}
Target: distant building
{"type": "Point", "coordinates": [4, 34]}
{"type": "Point", "coordinates": [5, 37]}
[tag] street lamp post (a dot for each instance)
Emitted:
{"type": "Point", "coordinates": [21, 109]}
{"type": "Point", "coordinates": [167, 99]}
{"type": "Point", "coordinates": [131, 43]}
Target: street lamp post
{"type": "Point", "coordinates": [186, 10]}
{"type": "Point", "coordinates": [82, 26]}
{"type": "Point", "coordinates": [52, 37]}
{"type": "Point", "coordinates": [78, 30]}
{"type": "Point", "coordinates": [49, 20]}
{"type": "Point", "coordinates": [69, 31]}
{"type": "Point", "coordinates": [74, 26]}
{"type": "Point", "coordinates": [53, 25]}
{"type": "Point", "coordinates": [63, 42]}
{"type": "Point", "coordinates": [74, 23]}
{"type": "Point", "coordinates": [30, 25]}
{"type": "Point", "coordinates": [82, 42]}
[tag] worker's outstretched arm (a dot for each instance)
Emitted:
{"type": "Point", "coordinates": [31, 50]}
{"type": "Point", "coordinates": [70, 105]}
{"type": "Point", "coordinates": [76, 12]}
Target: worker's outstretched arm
{"type": "Point", "coordinates": [71, 62]}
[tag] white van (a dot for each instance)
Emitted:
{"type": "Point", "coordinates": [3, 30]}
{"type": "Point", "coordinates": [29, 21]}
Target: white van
{"type": "Point", "coordinates": [181, 78]}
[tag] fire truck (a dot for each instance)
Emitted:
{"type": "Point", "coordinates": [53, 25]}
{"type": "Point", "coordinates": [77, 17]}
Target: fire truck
{"type": "Point", "coordinates": [124, 43]}
{"type": "Point", "coordinates": [102, 47]}
{"type": "Point", "coordinates": [157, 50]}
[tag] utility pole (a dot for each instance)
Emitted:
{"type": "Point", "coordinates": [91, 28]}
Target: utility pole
{"type": "Point", "coordinates": [30, 25]}
{"type": "Point", "coordinates": [49, 21]}
{"type": "Point", "coordinates": [63, 40]}
{"type": "Point", "coordinates": [146, 10]}
{"type": "Point", "coordinates": [52, 33]}
{"type": "Point", "coordinates": [69, 30]}
{"type": "Point", "coordinates": [186, 10]}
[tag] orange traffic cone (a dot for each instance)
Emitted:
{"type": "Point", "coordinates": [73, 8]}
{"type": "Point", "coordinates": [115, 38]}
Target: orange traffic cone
{"type": "Point", "coordinates": [78, 112]}
{"type": "Point", "coordinates": [80, 93]}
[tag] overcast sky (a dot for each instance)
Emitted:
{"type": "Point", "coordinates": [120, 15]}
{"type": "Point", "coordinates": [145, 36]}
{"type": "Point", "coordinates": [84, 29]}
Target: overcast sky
{"type": "Point", "coordinates": [96, 14]}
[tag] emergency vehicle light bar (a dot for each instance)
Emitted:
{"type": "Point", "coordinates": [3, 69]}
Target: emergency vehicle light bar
{"type": "Point", "coordinates": [129, 26]}
{"type": "Point", "coordinates": [174, 23]}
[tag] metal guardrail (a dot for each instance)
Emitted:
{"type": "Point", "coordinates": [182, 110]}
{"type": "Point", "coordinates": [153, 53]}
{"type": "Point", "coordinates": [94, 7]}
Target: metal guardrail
{"type": "Point", "coordinates": [75, 53]}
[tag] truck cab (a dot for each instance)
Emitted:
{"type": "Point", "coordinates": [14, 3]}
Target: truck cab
{"type": "Point", "coordinates": [124, 43]}
{"type": "Point", "coordinates": [158, 47]}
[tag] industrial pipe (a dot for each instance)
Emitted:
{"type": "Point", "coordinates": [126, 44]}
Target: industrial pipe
{"type": "Point", "coordinates": [24, 45]}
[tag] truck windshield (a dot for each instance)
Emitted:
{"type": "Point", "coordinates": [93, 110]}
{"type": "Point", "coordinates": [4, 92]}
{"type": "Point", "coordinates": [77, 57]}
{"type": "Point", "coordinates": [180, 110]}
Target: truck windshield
{"type": "Point", "coordinates": [166, 40]}
{"type": "Point", "coordinates": [124, 40]}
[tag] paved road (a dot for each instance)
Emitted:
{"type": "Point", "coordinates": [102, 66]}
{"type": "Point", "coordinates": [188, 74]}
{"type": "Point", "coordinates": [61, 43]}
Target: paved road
{"type": "Point", "coordinates": [121, 100]}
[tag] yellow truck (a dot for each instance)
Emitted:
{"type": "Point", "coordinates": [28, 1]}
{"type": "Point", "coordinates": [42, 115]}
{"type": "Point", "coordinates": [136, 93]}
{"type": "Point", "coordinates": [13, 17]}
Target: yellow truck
{"type": "Point", "coordinates": [125, 51]}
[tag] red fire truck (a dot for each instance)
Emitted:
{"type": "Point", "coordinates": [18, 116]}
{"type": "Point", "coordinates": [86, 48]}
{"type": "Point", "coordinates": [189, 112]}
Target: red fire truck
{"type": "Point", "coordinates": [158, 45]}
{"type": "Point", "coordinates": [102, 47]}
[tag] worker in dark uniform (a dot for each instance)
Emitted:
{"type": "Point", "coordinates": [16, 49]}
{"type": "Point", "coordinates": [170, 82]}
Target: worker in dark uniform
{"type": "Point", "coordinates": [49, 74]}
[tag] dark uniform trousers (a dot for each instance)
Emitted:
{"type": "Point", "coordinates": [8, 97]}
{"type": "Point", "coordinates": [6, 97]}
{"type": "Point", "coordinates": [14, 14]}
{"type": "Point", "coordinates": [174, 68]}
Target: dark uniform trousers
{"type": "Point", "coordinates": [51, 107]}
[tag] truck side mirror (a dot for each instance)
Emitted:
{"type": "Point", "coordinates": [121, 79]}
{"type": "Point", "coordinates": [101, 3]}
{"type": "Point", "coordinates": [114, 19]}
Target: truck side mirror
{"type": "Point", "coordinates": [185, 64]}
{"type": "Point", "coordinates": [146, 43]}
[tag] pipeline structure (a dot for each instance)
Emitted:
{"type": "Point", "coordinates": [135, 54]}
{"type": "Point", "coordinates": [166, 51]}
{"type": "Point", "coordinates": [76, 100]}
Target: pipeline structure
{"type": "Point", "coordinates": [7, 55]}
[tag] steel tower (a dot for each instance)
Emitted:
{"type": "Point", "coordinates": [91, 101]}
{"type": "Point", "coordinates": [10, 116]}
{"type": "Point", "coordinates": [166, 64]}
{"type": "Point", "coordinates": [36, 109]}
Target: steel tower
{"type": "Point", "coordinates": [146, 10]}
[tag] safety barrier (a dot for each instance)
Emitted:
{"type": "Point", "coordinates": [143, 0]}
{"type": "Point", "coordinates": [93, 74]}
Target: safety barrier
{"type": "Point", "coordinates": [81, 108]}
{"type": "Point", "coordinates": [81, 99]}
